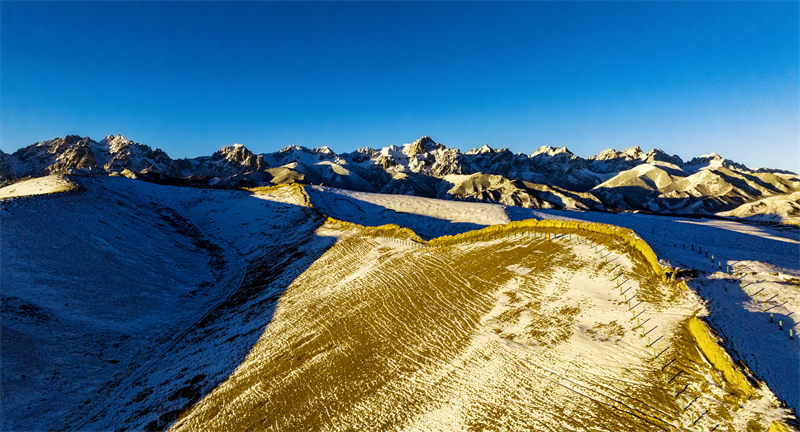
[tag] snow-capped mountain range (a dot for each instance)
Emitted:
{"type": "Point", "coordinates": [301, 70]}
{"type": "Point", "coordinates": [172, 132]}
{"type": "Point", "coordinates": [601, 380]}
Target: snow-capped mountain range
{"type": "Point", "coordinates": [551, 177]}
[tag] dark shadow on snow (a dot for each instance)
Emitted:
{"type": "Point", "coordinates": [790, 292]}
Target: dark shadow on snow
{"type": "Point", "coordinates": [152, 391]}
{"type": "Point", "coordinates": [752, 339]}
{"type": "Point", "coordinates": [209, 352]}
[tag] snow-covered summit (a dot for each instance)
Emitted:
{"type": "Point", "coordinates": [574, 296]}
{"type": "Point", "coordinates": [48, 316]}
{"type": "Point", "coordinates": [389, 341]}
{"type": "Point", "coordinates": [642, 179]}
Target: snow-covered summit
{"type": "Point", "coordinates": [422, 145]}
{"type": "Point", "coordinates": [627, 154]}
{"type": "Point", "coordinates": [225, 162]}
{"type": "Point", "coordinates": [550, 151]}
{"type": "Point", "coordinates": [483, 150]}
{"type": "Point", "coordinates": [235, 151]}
{"type": "Point", "coordinates": [658, 155]}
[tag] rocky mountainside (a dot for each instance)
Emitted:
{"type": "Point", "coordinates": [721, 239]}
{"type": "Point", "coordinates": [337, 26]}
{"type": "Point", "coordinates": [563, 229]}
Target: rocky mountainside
{"type": "Point", "coordinates": [550, 177]}
{"type": "Point", "coordinates": [225, 162]}
{"type": "Point", "coordinates": [112, 154]}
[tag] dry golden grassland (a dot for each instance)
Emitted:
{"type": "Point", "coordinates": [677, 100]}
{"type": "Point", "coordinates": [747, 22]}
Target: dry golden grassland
{"type": "Point", "coordinates": [499, 329]}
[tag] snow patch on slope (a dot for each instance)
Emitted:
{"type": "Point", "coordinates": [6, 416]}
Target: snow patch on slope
{"type": "Point", "coordinates": [780, 208]}
{"type": "Point", "coordinates": [37, 186]}
{"type": "Point", "coordinates": [428, 217]}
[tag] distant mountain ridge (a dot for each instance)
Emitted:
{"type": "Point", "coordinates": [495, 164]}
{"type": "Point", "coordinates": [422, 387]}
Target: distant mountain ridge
{"type": "Point", "coordinates": [550, 177]}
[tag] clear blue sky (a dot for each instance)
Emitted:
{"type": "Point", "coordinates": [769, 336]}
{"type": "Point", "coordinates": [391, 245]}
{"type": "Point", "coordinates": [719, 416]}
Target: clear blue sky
{"type": "Point", "coordinates": [689, 78]}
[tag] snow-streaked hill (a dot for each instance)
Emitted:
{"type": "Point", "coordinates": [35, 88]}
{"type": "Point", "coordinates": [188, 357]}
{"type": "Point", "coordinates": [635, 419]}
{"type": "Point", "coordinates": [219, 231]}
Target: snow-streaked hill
{"type": "Point", "coordinates": [550, 177]}
{"type": "Point", "coordinates": [781, 208]}
{"type": "Point", "coordinates": [733, 242]}
{"type": "Point", "coordinates": [101, 286]}
{"type": "Point", "coordinates": [489, 336]}
{"type": "Point", "coordinates": [771, 258]}
{"type": "Point", "coordinates": [131, 305]}
{"type": "Point", "coordinates": [428, 217]}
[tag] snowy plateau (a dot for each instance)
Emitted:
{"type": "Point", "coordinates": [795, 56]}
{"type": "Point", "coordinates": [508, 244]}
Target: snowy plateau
{"type": "Point", "coordinates": [411, 288]}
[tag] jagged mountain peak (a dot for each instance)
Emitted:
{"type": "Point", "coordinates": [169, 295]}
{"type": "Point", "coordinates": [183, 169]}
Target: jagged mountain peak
{"type": "Point", "coordinates": [715, 161]}
{"type": "Point", "coordinates": [115, 138]}
{"type": "Point", "coordinates": [631, 153]}
{"type": "Point", "coordinates": [235, 151]}
{"type": "Point", "coordinates": [656, 151]}
{"type": "Point", "coordinates": [362, 154]}
{"type": "Point", "coordinates": [712, 155]}
{"type": "Point", "coordinates": [711, 160]}
{"type": "Point", "coordinates": [482, 150]}
{"type": "Point", "coordinates": [606, 154]}
{"type": "Point", "coordinates": [551, 151]}
{"type": "Point", "coordinates": [422, 145]}
{"type": "Point", "coordinates": [293, 148]}
{"type": "Point", "coordinates": [234, 146]}
{"type": "Point", "coordinates": [228, 161]}
{"type": "Point", "coordinates": [774, 171]}
{"type": "Point", "coordinates": [301, 154]}
{"type": "Point", "coordinates": [661, 156]}
{"type": "Point", "coordinates": [634, 152]}
{"type": "Point", "coordinates": [324, 150]}
{"type": "Point", "coordinates": [67, 140]}
{"type": "Point", "coordinates": [366, 150]}
{"type": "Point", "coordinates": [424, 140]}
{"type": "Point", "coordinates": [119, 144]}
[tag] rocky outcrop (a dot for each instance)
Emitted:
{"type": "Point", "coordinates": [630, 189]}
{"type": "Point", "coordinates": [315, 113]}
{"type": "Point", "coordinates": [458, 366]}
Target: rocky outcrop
{"type": "Point", "coordinates": [225, 162]}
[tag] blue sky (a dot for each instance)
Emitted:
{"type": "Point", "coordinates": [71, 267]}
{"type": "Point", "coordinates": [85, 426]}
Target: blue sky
{"type": "Point", "coordinates": [689, 78]}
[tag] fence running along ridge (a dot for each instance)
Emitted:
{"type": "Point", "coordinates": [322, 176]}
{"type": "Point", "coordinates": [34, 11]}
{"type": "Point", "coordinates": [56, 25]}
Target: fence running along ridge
{"type": "Point", "coordinates": [706, 340]}
{"type": "Point", "coordinates": [739, 274]}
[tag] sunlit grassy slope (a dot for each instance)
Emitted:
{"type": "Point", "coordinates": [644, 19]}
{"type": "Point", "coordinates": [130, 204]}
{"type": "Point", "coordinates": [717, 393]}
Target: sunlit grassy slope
{"type": "Point", "coordinates": [518, 333]}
